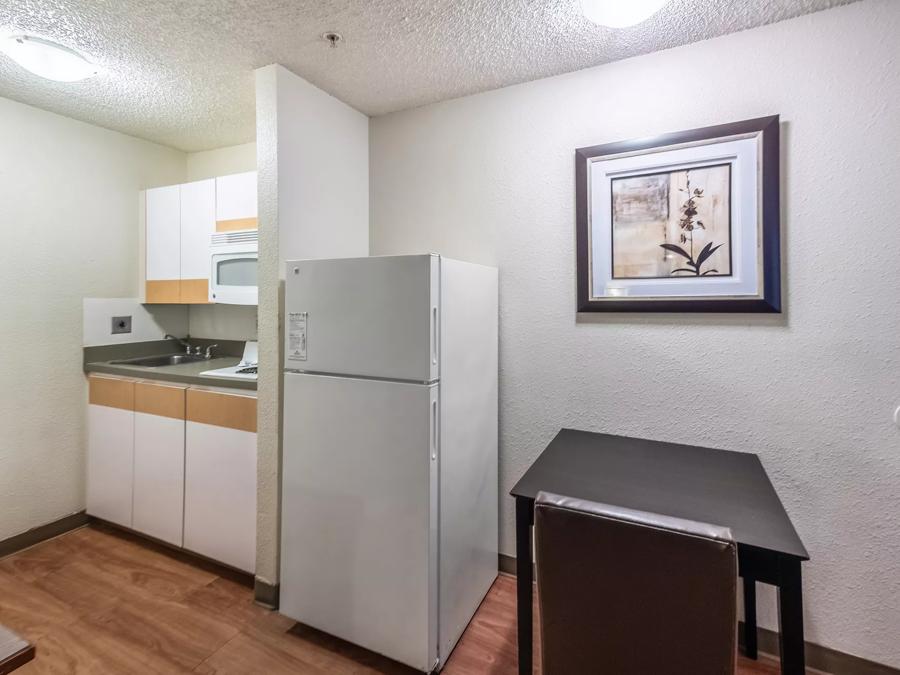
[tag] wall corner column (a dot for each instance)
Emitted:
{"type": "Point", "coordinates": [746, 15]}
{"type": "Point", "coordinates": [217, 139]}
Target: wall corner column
{"type": "Point", "coordinates": [269, 335]}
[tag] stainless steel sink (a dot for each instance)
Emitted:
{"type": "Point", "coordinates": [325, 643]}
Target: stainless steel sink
{"type": "Point", "coordinates": [157, 361]}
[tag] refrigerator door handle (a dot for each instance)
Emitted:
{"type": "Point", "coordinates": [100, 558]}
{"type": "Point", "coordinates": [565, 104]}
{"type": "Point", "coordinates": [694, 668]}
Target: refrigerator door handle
{"type": "Point", "coordinates": [434, 335]}
{"type": "Point", "coordinates": [434, 430]}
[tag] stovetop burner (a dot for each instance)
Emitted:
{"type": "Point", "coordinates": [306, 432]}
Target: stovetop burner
{"type": "Point", "coordinates": [242, 371]}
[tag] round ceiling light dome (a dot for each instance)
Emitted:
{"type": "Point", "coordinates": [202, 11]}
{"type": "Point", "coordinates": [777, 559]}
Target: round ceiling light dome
{"type": "Point", "coordinates": [48, 59]}
{"type": "Point", "coordinates": [620, 13]}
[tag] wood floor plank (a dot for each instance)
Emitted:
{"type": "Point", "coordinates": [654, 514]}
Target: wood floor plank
{"type": "Point", "coordinates": [98, 603]}
{"type": "Point", "coordinates": [128, 565]}
{"type": "Point", "coordinates": [85, 588]}
{"type": "Point", "coordinates": [169, 629]}
{"type": "Point", "coordinates": [38, 561]}
{"type": "Point", "coordinates": [247, 654]}
{"type": "Point", "coordinates": [765, 665]}
{"type": "Point", "coordinates": [330, 653]}
{"type": "Point", "coordinates": [229, 601]}
{"type": "Point", "coordinates": [29, 611]}
{"type": "Point", "coordinates": [489, 643]}
{"type": "Point", "coordinates": [80, 648]}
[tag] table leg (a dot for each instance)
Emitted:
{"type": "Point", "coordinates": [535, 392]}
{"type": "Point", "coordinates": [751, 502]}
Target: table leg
{"type": "Point", "coordinates": [790, 617]}
{"type": "Point", "coordinates": [750, 633]}
{"type": "Point", "coordinates": [524, 574]}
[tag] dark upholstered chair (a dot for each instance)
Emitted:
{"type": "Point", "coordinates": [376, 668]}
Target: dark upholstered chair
{"type": "Point", "coordinates": [625, 592]}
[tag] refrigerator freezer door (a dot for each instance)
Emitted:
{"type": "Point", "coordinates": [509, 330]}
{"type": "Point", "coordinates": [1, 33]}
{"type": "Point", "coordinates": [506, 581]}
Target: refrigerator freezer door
{"type": "Point", "coordinates": [370, 317]}
{"type": "Point", "coordinates": [359, 512]}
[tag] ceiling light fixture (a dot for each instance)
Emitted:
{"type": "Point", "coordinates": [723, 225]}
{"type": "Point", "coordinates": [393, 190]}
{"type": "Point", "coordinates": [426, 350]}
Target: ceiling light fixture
{"type": "Point", "coordinates": [48, 59]}
{"type": "Point", "coordinates": [620, 13]}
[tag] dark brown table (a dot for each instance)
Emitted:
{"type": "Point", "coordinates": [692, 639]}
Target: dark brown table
{"type": "Point", "coordinates": [712, 486]}
{"type": "Point", "coordinates": [14, 651]}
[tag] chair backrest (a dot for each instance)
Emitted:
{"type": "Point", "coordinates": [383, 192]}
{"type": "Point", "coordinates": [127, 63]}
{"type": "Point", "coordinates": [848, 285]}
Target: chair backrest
{"type": "Point", "coordinates": [628, 592]}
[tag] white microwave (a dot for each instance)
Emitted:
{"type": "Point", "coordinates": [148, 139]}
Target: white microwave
{"type": "Point", "coordinates": [233, 273]}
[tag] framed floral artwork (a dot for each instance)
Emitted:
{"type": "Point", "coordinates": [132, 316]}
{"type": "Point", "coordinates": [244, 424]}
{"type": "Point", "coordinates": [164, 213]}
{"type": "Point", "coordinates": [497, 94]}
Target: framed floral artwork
{"type": "Point", "coordinates": [685, 222]}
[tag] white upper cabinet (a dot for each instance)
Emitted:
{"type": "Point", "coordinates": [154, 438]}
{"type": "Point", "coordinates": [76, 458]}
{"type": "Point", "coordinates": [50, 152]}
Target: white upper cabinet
{"type": "Point", "coordinates": [180, 221]}
{"type": "Point", "coordinates": [198, 223]}
{"type": "Point", "coordinates": [164, 233]}
{"type": "Point", "coordinates": [236, 202]}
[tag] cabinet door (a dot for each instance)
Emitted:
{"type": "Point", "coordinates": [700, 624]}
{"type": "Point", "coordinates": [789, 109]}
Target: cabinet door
{"type": "Point", "coordinates": [110, 449]}
{"type": "Point", "coordinates": [236, 202]}
{"type": "Point", "coordinates": [159, 461]}
{"type": "Point", "coordinates": [220, 477]}
{"type": "Point", "coordinates": [198, 223]}
{"type": "Point", "coordinates": [163, 225]}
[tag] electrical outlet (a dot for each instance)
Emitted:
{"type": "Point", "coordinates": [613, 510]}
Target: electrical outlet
{"type": "Point", "coordinates": [121, 324]}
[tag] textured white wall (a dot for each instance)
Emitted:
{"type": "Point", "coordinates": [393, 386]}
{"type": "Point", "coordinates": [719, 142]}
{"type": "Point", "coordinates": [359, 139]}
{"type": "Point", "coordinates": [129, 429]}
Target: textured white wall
{"type": "Point", "coordinates": [148, 322]}
{"type": "Point", "coordinates": [221, 161]}
{"type": "Point", "coordinates": [223, 322]}
{"type": "Point", "coordinates": [268, 387]}
{"type": "Point", "coordinates": [313, 154]}
{"type": "Point", "coordinates": [490, 178]}
{"type": "Point", "coordinates": [323, 173]}
{"type": "Point", "coordinates": [69, 217]}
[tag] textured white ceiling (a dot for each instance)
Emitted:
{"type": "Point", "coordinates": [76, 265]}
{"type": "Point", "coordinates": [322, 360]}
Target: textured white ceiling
{"type": "Point", "coordinates": [179, 72]}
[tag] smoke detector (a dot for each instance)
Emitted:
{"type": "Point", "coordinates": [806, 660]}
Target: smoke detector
{"type": "Point", "coordinates": [333, 38]}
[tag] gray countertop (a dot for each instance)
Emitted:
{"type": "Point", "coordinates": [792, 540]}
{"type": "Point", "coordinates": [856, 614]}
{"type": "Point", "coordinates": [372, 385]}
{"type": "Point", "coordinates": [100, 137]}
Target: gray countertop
{"type": "Point", "coordinates": [97, 361]}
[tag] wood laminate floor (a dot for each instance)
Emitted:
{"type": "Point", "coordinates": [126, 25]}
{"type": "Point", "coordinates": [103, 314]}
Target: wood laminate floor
{"type": "Point", "coordinates": [96, 601]}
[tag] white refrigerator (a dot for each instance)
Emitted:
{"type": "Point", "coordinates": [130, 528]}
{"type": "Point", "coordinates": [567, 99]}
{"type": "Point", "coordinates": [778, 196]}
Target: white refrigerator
{"type": "Point", "coordinates": [389, 477]}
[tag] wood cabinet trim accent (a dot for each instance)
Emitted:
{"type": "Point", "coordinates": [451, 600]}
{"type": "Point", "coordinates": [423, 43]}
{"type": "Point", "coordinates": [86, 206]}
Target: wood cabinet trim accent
{"type": "Point", "coordinates": [237, 224]}
{"type": "Point", "coordinates": [163, 291]}
{"type": "Point", "coordinates": [163, 400]}
{"type": "Point", "coordinates": [194, 291]}
{"type": "Point", "coordinates": [111, 392]}
{"type": "Point", "coordinates": [222, 410]}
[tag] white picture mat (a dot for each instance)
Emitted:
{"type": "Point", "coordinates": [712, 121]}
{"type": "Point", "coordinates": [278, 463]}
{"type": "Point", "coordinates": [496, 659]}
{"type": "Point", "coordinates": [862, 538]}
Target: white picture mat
{"type": "Point", "coordinates": [742, 154]}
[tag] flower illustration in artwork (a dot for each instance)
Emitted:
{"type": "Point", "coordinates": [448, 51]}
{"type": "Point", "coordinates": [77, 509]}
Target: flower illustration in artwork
{"type": "Point", "coordinates": [688, 224]}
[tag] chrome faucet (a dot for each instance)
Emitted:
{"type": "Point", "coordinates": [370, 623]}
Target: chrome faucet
{"type": "Point", "coordinates": [184, 343]}
{"type": "Point", "coordinates": [209, 351]}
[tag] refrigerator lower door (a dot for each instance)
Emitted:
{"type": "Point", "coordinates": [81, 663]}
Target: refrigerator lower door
{"type": "Point", "coordinates": [359, 512]}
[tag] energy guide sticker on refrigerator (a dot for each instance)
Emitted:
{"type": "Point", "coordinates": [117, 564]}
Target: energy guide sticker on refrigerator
{"type": "Point", "coordinates": [296, 336]}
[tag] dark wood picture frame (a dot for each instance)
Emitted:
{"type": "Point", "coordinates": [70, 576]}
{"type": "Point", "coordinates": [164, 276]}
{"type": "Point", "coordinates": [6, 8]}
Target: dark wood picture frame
{"type": "Point", "coordinates": [769, 212]}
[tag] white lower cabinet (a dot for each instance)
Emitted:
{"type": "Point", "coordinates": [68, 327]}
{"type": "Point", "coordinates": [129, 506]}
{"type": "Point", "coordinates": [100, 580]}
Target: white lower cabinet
{"type": "Point", "coordinates": [110, 449]}
{"type": "Point", "coordinates": [220, 477]}
{"type": "Point", "coordinates": [175, 463]}
{"type": "Point", "coordinates": [159, 461]}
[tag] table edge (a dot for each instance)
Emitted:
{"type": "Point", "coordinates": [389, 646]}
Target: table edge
{"type": "Point", "coordinates": [17, 659]}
